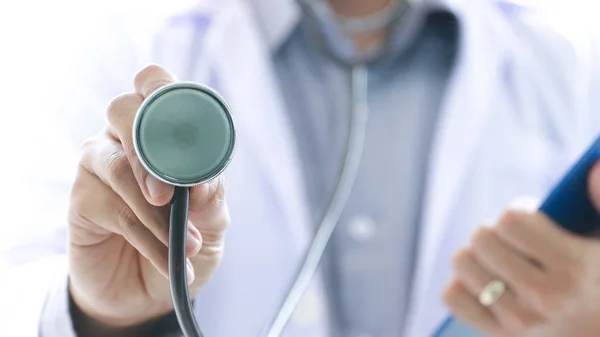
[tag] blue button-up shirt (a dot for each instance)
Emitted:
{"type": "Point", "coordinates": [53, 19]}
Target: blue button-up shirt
{"type": "Point", "coordinates": [369, 264]}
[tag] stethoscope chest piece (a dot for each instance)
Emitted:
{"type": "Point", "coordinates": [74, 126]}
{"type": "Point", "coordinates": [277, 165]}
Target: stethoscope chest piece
{"type": "Point", "coordinates": [184, 134]}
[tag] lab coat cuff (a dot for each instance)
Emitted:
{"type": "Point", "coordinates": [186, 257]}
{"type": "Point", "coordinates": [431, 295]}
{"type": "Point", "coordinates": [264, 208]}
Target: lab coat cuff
{"type": "Point", "coordinates": [56, 316]}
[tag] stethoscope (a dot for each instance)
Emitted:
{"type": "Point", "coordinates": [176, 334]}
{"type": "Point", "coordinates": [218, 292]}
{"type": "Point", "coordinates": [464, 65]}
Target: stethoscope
{"type": "Point", "coordinates": [185, 135]}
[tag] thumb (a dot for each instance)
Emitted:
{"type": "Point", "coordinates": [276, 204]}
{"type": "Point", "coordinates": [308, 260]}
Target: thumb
{"type": "Point", "coordinates": [208, 209]}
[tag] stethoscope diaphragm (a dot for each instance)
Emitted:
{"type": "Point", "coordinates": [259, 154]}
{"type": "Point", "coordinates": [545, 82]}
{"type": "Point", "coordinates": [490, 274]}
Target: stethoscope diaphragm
{"type": "Point", "coordinates": [184, 134]}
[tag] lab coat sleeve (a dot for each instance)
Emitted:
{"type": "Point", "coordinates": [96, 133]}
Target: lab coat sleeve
{"type": "Point", "coordinates": [33, 259]}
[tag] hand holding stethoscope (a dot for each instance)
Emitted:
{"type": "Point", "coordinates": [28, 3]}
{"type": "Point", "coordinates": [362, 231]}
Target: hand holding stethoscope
{"type": "Point", "coordinates": [119, 215]}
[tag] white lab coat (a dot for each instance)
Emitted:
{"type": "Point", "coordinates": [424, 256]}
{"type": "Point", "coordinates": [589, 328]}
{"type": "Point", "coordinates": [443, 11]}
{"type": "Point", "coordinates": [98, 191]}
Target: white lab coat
{"type": "Point", "coordinates": [520, 107]}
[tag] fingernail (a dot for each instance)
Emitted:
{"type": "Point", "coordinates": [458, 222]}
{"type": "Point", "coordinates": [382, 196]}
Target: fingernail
{"type": "Point", "coordinates": [192, 243]}
{"type": "Point", "coordinates": [156, 188]}
{"type": "Point", "coordinates": [189, 271]}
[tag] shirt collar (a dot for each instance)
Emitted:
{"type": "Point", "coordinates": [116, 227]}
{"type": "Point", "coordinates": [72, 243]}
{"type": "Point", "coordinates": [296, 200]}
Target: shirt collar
{"type": "Point", "coordinates": [277, 18]}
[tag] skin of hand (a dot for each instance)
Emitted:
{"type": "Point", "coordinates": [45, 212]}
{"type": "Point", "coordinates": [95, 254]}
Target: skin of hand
{"type": "Point", "coordinates": [119, 228]}
{"type": "Point", "coordinates": [552, 277]}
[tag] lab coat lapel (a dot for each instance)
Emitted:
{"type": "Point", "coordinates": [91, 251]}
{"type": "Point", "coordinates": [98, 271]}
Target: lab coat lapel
{"type": "Point", "coordinates": [466, 109]}
{"type": "Point", "coordinates": [240, 62]}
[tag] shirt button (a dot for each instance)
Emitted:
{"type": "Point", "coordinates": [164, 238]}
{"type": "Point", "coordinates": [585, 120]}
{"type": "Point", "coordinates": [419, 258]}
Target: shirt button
{"type": "Point", "coordinates": [361, 228]}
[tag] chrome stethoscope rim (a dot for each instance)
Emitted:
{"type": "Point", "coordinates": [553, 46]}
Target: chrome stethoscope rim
{"type": "Point", "coordinates": [218, 170]}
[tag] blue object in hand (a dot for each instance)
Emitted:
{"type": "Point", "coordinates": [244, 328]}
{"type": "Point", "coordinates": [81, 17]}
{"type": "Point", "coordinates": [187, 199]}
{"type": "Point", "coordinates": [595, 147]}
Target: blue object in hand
{"type": "Point", "coordinates": [569, 205]}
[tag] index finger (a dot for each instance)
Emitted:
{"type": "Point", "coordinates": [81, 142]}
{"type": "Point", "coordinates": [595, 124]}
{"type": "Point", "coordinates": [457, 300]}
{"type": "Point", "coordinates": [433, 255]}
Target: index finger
{"type": "Point", "coordinates": [151, 78]}
{"type": "Point", "coordinates": [121, 115]}
{"type": "Point", "coordinates": [537, 237]}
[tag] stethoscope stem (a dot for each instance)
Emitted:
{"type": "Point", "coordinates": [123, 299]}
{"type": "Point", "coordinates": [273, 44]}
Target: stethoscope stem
{"type": "Point", "coordinates": [180, 295]}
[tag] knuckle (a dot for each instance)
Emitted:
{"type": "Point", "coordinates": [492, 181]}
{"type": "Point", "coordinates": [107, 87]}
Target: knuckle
{"type": "Point", "coordinates": [212, 247]}
{"type": "Point", "coordinates": [210, 194]}
{"type": "Point", "coordinates": [462, 257]}
{"type": "Point", "coordinates": [87, 144]}
{"type": "Point", "coordinates": [78, 224]}
{"type": "Point", "coordinates": [148, 71]}
{"type": "Point", "coordinates": [451, 294]}
{"type": "Point", "coordinates": [118, 167]}
{"type": "Point", "coordinates": [80, 205]}
{"type": "Point", "coordinates": [77, 206]}
{"type": "Point", "coordinates": [129, 148]}
{"type": "Point", "coordinates": [151, 74]}
{"type": "Point", "coordinates": [519, 322]}
{"type": "Point", "coordinates": [547, 301]}
{"type": "Point", "coordinates": [87, 150]}
{"type": "Point", "coordinates": [508, 223]}
{"type": "Point", "coordinates": [79, 189]}
{"type": "Point", "coordinates": [480, 238]}
{"type": "Point", "coordinates": [213, 235]}
{"type": "Point", "coordinates": [514, 322]}
{"type": "Point", "coordinates": [126, 219]}
{"type": "Point", "coordinates": [86, 153]}
{"type": "Point", "coordinates": [121, 104]}
{"type": "Point", "coordinates": [216, 193]}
